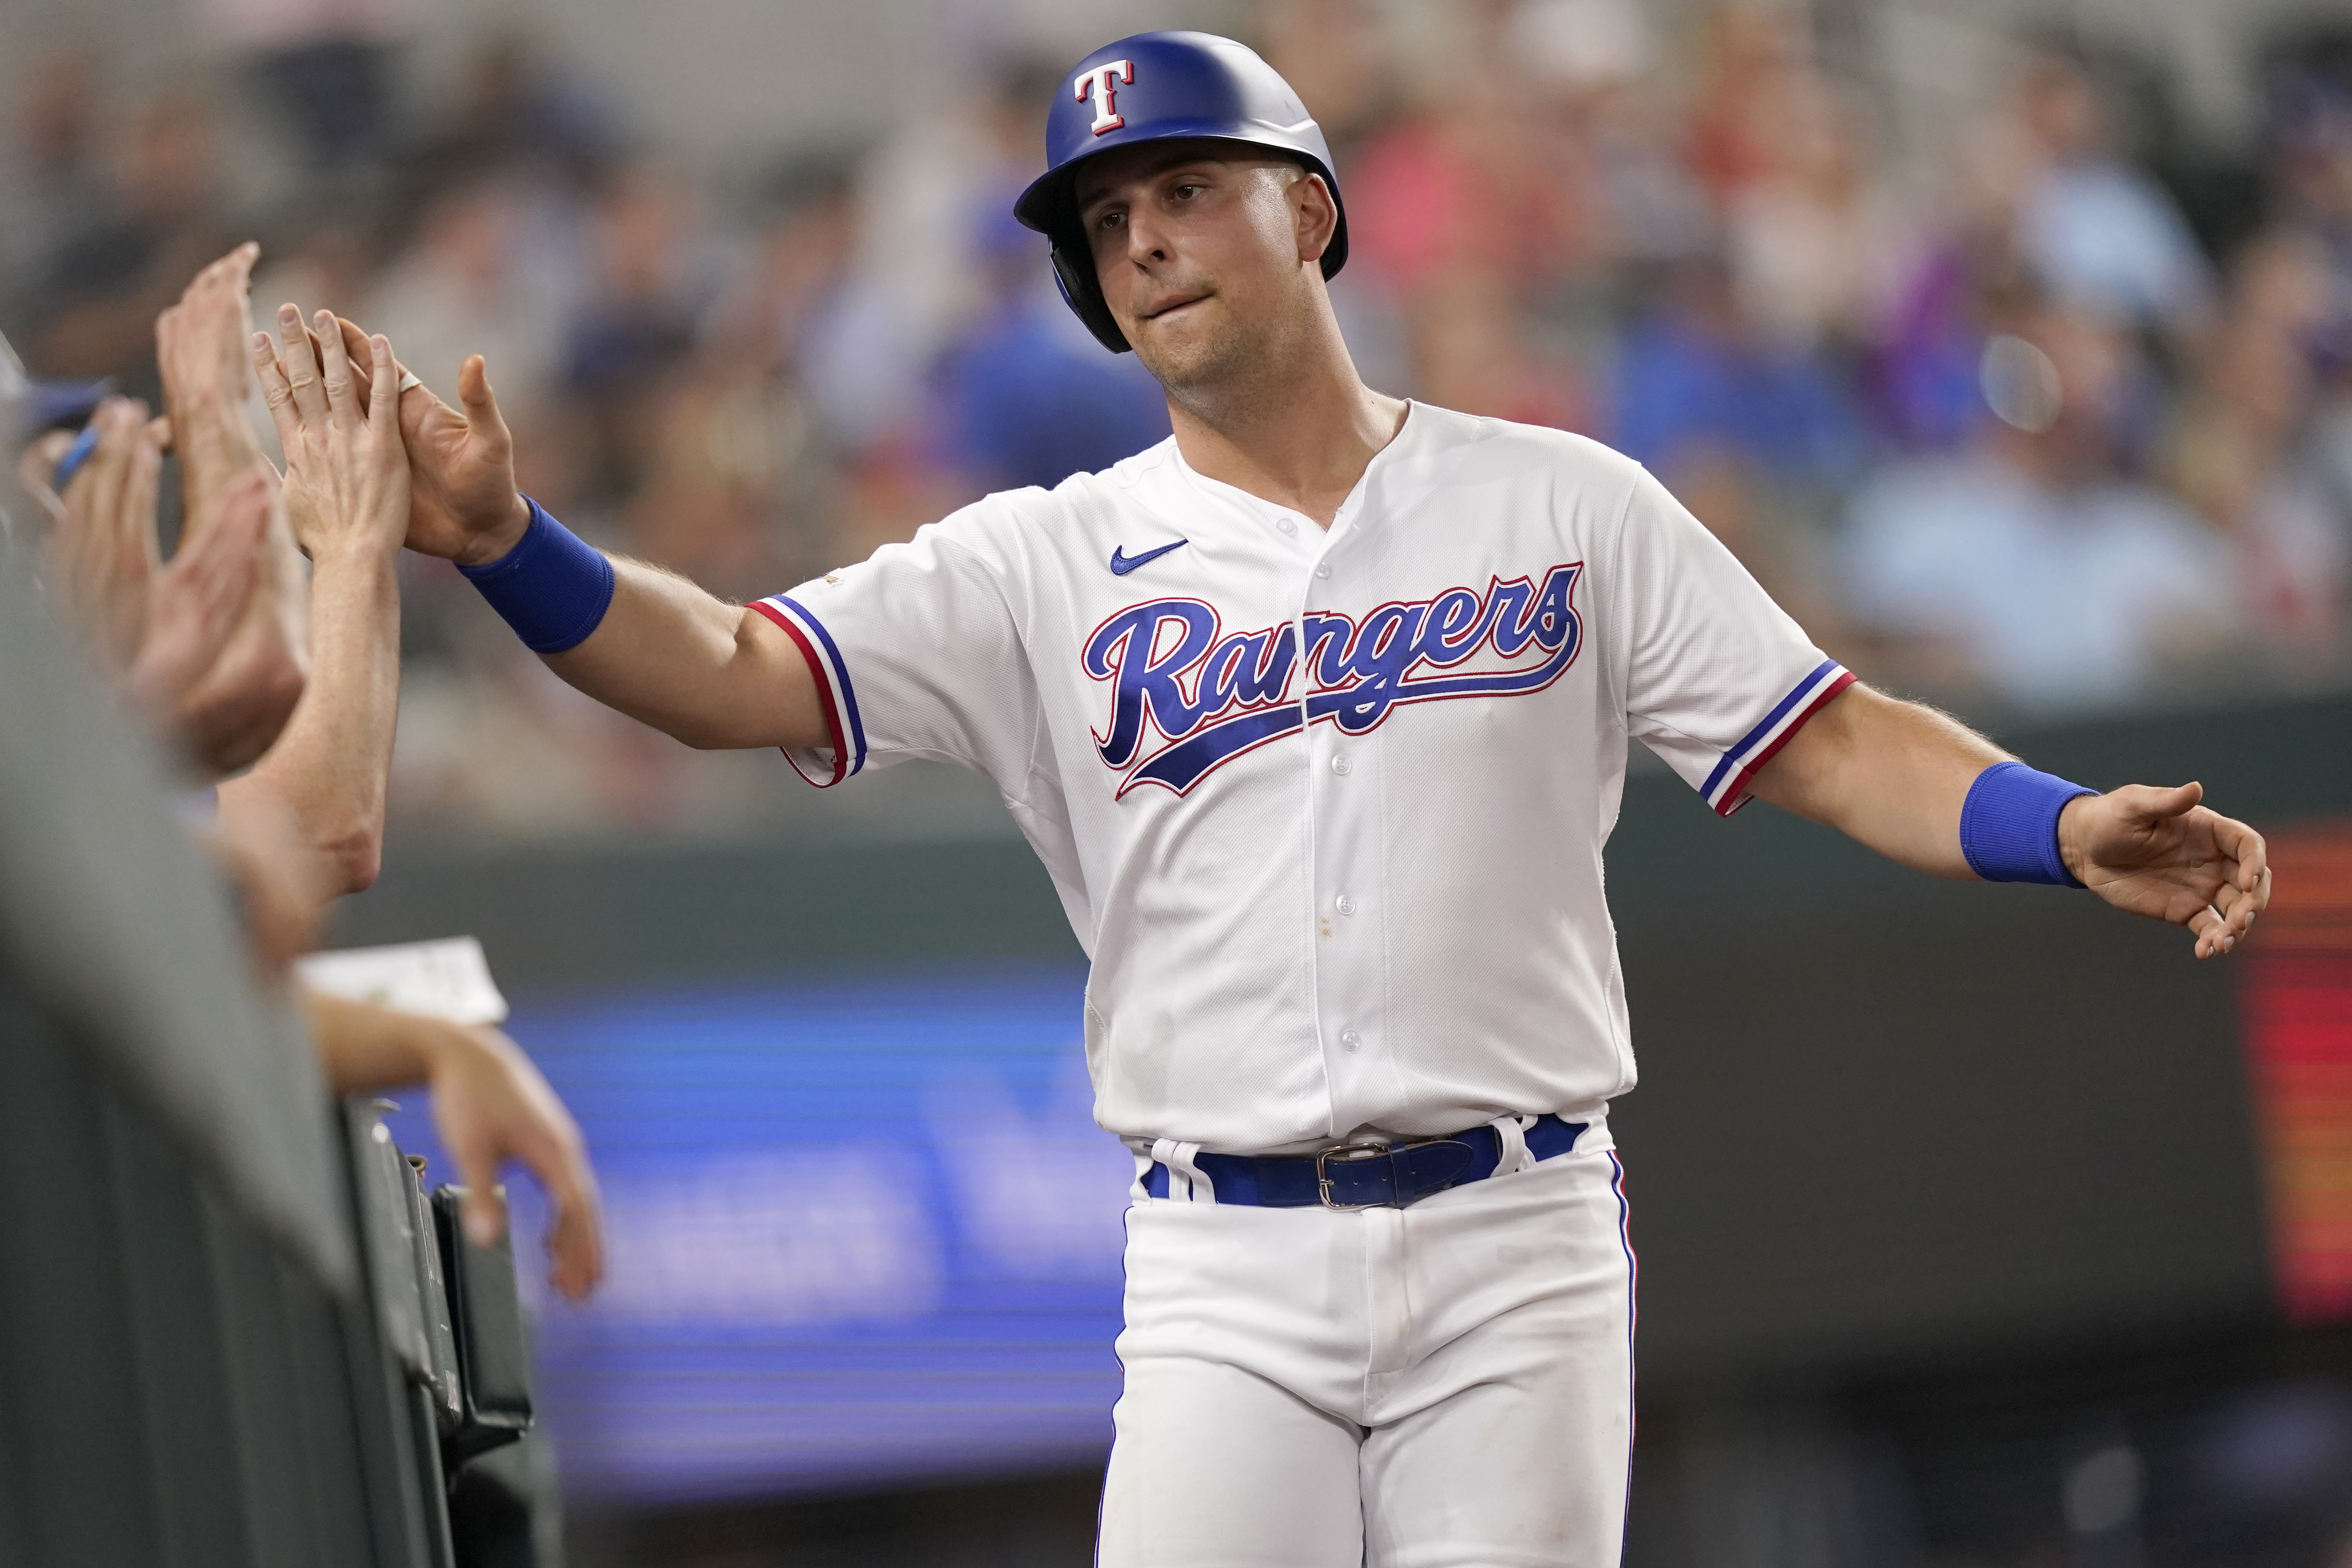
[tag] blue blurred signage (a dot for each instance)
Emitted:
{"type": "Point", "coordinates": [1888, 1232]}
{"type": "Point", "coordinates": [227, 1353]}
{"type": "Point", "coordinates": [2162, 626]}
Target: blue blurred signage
{"type": "Point", "coordinates": [857, 1231]}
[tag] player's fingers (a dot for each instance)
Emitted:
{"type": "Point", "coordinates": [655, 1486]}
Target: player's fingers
{"type": "Point", "coordinates": [2211, 931]}
{"type": "Point", "coordinates": [2244, 905]}
{"type": "Point", "coordinates": [301, 366]}
{"type": "Point", "coordinates": [355, 350]}
{"type": "Point", "coordinates": [2250, 856]}
{"type": "Point", "coordinates": [334, 371]}
{"type": "Point", "coordinates": [276, 393]}
{"type": "Point", "coordinates": [474, 391]}
{"type": "Point", "coordinates": [383, 412]}
{"type": "Point", "coordinates": [2148, 804]}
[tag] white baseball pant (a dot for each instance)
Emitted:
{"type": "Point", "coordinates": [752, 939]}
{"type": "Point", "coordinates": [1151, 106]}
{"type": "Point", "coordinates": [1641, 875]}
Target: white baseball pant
{"type": "Point", "coordinates": [1447, 1385]}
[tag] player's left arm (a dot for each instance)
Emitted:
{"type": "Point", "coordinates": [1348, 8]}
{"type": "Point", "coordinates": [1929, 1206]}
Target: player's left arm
{"type": "Point", "coordinates": [1898, 778]}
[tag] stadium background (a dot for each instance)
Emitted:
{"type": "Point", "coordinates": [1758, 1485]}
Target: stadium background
{"type": "Point", "coordinates": [2012, 347]}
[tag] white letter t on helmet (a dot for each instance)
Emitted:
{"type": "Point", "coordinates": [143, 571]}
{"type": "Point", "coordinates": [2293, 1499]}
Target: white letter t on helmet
{"type": "Point", "coordinates": [1107, 79]}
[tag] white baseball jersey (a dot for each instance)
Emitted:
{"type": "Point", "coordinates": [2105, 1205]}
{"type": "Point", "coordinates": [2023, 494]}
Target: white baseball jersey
{"type": "Point", "coordinates": [1325, 808]}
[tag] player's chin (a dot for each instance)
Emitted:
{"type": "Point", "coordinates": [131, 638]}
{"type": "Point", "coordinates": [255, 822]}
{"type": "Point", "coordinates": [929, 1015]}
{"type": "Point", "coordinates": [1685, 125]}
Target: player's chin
{"type": "Point", "coordinates": [1183, 354]}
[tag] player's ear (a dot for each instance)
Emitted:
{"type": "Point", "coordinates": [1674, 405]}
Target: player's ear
{"type": "Point", "coordinates": [1316, 214]}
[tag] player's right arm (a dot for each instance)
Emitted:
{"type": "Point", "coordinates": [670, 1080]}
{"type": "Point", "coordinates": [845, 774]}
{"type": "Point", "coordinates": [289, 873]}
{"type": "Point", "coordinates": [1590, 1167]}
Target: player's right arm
{"type": "Point", "coordinates": [711, 674]}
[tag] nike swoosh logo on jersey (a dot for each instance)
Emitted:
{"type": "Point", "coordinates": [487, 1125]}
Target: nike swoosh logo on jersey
{"type": "Point", "coordinates": [1121, 563]}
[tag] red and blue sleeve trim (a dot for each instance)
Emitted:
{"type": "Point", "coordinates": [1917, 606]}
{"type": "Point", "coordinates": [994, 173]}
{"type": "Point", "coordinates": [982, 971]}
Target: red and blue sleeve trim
{"type": "Point", "coordinates": [835, 692]}
{"type": "Point", "coordinates": [1726, 787]}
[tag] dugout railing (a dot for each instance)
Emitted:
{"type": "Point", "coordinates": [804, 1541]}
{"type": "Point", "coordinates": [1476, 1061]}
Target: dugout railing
{"type": "Point", "coordinates": [218, 1341]}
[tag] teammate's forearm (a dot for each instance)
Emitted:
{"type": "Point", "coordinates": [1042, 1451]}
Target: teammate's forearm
{"type": "Point", "coordinates": [213, 443]}
{"type": "Point", "coordinates": [327, 773]}
{"type": "Point", "coordinates": [363, 1046]}
{"type": "Point", "coordinates": [1890, 775]}
{"type": "Point", "coordinates": [260, 674]}
{"type": "Point", "coordinates": [711, 674]}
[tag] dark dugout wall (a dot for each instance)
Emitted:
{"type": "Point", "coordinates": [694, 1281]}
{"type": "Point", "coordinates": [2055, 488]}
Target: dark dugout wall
{"type": "Point", "coordinates": [190, 1371]}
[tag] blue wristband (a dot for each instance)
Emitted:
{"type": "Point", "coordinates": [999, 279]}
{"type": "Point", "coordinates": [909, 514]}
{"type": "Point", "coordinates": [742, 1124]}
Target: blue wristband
{"type": "Point", "coordinates": [553, 588]}
{"type": "Point", "coordinates": [2008, 825]}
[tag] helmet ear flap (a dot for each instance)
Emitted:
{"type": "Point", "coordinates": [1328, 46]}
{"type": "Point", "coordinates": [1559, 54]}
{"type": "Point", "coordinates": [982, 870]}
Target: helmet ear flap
{"type": "Point", "coordinates": [1082, 291]}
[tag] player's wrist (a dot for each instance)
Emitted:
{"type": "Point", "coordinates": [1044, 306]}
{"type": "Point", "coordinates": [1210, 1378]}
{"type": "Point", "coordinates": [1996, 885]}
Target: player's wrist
{"type": "Point", "coordinates": [2012, 823]}
{"type": "Point", "coordinates": [2074, 836]}
{"type": "Point", "coordinates": [495, 541]}
{"type": "Point", "coordinates": [552, 587]}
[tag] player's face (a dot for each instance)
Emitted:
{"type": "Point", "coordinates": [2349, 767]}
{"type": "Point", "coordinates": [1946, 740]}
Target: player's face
{"type": "Point", "coordinates": [1203, 257]}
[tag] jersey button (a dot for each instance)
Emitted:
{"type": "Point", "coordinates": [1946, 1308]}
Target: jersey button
{"type": "Point", "coordinates": [1345, 905]}
{"type": "Point", "coordinates": [1322, 571]}
{"type": "Point", "coordinates": [1342, 766]}
{"type": "Point", "coordinates": [1351, 1041]}
{"type": "Point", "coordinates": [1284, 524]}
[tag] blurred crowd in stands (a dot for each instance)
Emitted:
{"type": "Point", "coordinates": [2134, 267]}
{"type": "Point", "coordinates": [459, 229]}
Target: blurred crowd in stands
{"type": "Point", "coordinates": [2062, 421]}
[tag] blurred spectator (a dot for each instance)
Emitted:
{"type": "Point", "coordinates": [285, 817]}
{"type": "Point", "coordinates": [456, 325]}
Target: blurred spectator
{"type": "Point", "coordinates": [2033, 569]}
{"type": "Point", "coordinates": [2248, 454]}
{"type": "Point", "coordinates": [327, 66]}
{"type": "Point", "coordinates": [50, 182]}
{"type": "Point", "coordinates": [2102, 235]}
{"type": "Point", "coordinates": [1026, 395]}
{"type": "Point", "coordinates": [1752, 55]}
{"type": "Point", "coordinates": [645, 286]}
{"type": "Point", "coordinates": [1473, 352]}
{"type": "Point", "coordinates": [475, 283]}
{"type": "Point", "coordinates": [1812, 246]}
{"type": "Point", "coordinates": [1695, 374]}
{"type": "Point", "coordinates": [156, 221]}
{"type": "Point", "coordinates": [2311, 169]}
{"type": "Point", "coordinates": [1330, 52]}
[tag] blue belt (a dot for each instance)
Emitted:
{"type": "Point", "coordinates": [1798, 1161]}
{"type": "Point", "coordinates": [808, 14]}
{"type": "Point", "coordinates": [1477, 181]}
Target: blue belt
{"type": "Point", "coordinates": [1367, 1175]}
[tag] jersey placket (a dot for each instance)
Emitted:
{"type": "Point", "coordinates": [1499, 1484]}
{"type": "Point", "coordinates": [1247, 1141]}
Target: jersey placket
{"type": "Point", "coordinates": [1348, 942]}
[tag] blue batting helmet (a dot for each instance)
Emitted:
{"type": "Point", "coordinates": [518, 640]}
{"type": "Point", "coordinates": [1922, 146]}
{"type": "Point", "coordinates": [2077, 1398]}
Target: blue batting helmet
{"type": "Point", "coordinates": [1158, 87]}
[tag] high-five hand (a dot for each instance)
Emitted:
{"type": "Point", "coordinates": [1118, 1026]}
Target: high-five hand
{"type": "Point", "coordinates": [2162, 854]}
{"type": "Point", "coordinates": [347, 484]}
{"type": "Point", "coordinates": [462, 500]}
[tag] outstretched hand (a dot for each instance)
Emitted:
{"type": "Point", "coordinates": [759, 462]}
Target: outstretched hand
{"type": "Point", "coordinates": [490, 1105]}
{"type": "Point", "coordinates": [2162, 854]}
{"type": "Point", "coordinates": [347, 482]}
{"type": "Point", "coordinates": [462, 500]}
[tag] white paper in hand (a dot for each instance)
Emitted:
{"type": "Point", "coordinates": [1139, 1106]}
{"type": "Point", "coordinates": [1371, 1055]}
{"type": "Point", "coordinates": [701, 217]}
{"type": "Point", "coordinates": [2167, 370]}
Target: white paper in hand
{"type": "Point", "coordinates": [446, 979]}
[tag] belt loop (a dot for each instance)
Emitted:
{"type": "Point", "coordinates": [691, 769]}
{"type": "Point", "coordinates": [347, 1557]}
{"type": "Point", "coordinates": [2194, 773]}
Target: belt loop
{"type": "Point", "coordinates": [1515, 1156]}
{"type": "Point", "coordinates": [1199, 1187]}
{"type": "Point", "coordinates": [1143, 1163]}
{"type": "Point", "coordinates": [1180, 1182]}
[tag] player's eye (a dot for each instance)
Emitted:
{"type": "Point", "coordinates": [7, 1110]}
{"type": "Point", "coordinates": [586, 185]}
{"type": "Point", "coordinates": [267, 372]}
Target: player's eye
{"type": "Point", "coordinates": [1110, 220]}
{"type": "Point", "coordinates": [1184, 192]}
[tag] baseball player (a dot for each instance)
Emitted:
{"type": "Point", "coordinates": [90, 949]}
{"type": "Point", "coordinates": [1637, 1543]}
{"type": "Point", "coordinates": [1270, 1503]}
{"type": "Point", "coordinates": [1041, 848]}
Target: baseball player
{"type": "Point", "coordinates": [1318, 715]}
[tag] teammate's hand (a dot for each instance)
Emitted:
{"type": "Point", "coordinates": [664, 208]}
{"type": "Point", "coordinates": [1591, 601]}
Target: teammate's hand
{"type": "Point", "coordinates": [490, 1105]}
{"type": "Point", "coordinates": [200, 353]}
{"type": "Point", "coordinates": [347, 484]}
{"type": "Point", "coordinates": [462, 500]}
{"type": "Point", "coordinates": [223, 710]}
{"type": "Point", "coordinates": [197, 340]}
{"type": "Point", "coordinates": [102, 557]}
{"type": "Point", "coordinates": [2160, 853]}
